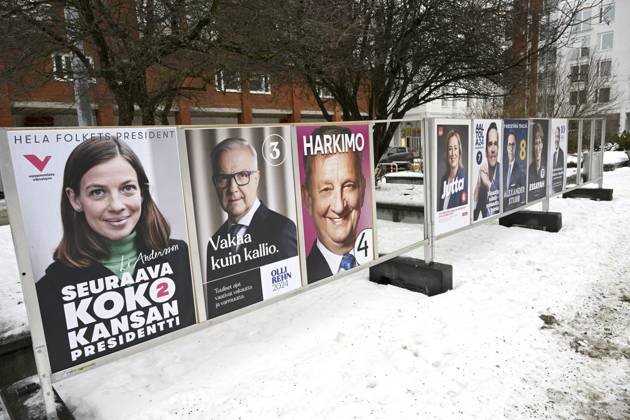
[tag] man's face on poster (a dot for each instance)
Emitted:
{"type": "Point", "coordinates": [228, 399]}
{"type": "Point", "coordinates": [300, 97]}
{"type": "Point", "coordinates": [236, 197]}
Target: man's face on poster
{"type": "Point", "coordinates": [237, 166]}
{"type": "Point", "coordinates": [492, 147]}
{"type": "Point", "coordinates": [334, 197]}
{"type": "Point", "coordinates": [511, 147]}
{"type": "Point", "coordinates": [557, 137]}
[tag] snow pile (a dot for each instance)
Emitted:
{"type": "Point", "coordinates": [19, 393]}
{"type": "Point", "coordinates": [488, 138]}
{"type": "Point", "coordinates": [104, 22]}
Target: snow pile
{"type": "Point", "coordinates": [407, 194]}
{"type": "Point", "coordinates": [537, 326]}
{"type": "Point", "coordinates": [616, 158]}
{"type": "Point", "coordinates": [13, 321]}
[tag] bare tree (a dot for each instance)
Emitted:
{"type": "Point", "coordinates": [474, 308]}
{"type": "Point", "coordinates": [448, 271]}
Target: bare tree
{"type": "Point", "coordinates": [148, 52]}
{"type": "Point", "coordinates": [389, 56]}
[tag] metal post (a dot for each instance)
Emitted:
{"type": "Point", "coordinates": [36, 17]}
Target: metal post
{"type": "Point", "coordinates": [591, 149]}
{"type": "Point", "coordinates": [601, 148]}
{"type": "Point", "coordinates": [45, 382]}
{"type": "Point", "coordinates": [578, 175]}
{"type": "Point", "coordinates": [79, 75]}
{"type": "Point", "coordinates": [427, 140]}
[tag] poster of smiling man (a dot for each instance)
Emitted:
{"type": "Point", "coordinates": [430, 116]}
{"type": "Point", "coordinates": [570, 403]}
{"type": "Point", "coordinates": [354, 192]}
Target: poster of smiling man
{"type": "Point", "coordinates": [538, 172]}
{"type": "Point", "coordinates": [514, 163]}
{"type": "Point", "coordinates": [557, 154]}
{"type": "Point", "coordinates": [244, 201]}
{"type": "Point", "coordinates": [335, 178]}
{"type": "Point", "coordinates": [486, 169]}
{"type": "Point", "coordinates": [451, 173]}
{"type": "Point", "coordinates": [105, 223]}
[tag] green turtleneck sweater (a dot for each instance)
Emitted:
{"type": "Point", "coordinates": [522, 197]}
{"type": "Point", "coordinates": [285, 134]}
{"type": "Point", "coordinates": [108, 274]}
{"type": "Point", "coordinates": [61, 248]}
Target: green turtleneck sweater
{"type": "Point", "coordinates": [122, 255]}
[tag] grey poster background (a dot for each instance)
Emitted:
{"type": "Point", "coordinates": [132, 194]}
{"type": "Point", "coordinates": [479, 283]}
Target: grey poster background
{"type": "Point", "coordinates": [276, 188]}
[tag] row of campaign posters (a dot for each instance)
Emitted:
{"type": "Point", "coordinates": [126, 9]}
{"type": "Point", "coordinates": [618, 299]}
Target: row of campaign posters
{"type": "Point", "coordinates": [487, 167]}
{"type": "Point", "coordinates": [134, 233]}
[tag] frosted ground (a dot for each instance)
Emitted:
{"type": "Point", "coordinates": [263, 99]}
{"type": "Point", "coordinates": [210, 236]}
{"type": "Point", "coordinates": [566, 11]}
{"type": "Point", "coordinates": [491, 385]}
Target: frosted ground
{"type": "Point", "coordinates": [537, 326]}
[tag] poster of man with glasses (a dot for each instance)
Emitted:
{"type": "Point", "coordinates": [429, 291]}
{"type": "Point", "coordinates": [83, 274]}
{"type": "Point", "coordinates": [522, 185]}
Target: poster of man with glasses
{"type": "Point", "coordinates": [245, 214]}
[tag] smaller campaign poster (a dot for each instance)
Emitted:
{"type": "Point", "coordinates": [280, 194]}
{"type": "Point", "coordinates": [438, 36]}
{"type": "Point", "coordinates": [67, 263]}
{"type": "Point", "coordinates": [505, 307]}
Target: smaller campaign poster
{"type": "Point", "coordinates": [486, 169]}
{"type": "Point", "coordinates": [105, 222]}
{"type": "Point", "coordinates": [335, 178]}
{"type": "Point", "coordinates": [451, 175]}
{"type": "Point", "coordinates": [245, 212]}
{"type": "Point", "coordinates": [514, 163]}
{"type": "Point", "coordinates": [537, 172]}
{"type": "Point", "coordinates": [557, 154]}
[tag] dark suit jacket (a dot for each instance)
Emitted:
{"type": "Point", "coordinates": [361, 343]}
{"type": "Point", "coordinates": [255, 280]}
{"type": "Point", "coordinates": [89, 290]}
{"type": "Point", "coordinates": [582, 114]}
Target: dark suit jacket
{"type": "Point", "coordinates": [516, 179]}
{"type": "Point", "coordinates": [267, 227]}
{"type": "Point", "coordinates": [560, 163]}
{"type": "Point", "coordinates": [316, 265]}
{"type": "Point", "coordinates": [59, 275]}
{"type": "Point", "coordinates": [457, 199]}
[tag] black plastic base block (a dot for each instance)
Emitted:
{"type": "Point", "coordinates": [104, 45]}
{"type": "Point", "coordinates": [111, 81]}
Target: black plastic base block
{"type": "Point", "coordinates": [24, 400]}
{"type": "Point", "coordinates": [599, 194]}
{"type": "Point", "coordinates": [415, 275]}
{"type": "Point", "coordinates": [550, 221]}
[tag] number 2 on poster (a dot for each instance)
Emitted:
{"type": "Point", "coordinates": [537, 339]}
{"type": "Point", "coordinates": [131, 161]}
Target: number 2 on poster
{"type": "Point", "coordinates": [162, 290]}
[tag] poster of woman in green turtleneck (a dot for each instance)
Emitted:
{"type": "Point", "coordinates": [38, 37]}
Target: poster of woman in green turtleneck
{"type": "Point", "coordinates": [118, 276]}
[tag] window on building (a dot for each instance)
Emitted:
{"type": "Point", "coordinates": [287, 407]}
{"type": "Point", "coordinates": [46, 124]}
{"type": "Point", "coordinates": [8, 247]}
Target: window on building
{"type": "Point", "coordinates": [577, 97]}
{"type": "Point", "coordinates": [579, 73]}
{"type": "Point", "coordinates": [62, 67]}
{"type": "Point", "coordinates": [323, 92]}
{"type": "Point", "coordinates": [581, 47]}
{"type": "Point", "coordinates": [226, 81]}
{"type": "Point", "coordinates": [606, 41]}
{"type": "Point", "coordinates": [603, 95]}
{"type": "Point", "coordinates": [607, 13]}
{"type": "Point", "coordinates": [605, 67]}
{"type": "Point", "coordinates": [260, 83]}
{"type": "Point", "coordinates": [582, 21]}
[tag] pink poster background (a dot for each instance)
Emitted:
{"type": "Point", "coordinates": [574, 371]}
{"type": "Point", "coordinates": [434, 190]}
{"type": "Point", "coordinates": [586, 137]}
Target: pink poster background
{"type": "Point", "coordinates": [365, 221]}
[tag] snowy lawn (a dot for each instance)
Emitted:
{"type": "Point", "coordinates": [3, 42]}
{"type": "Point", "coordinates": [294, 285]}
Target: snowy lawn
{"type": "Point", "coordinates": [538, 325]}
{"type": "Point", "coordinates": [13, 320]}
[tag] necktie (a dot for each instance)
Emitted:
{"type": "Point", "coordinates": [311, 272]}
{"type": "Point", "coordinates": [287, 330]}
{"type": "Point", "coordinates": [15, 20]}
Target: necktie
{"type": "Point", "coordinates": [555, 158]}
{"type": "Point", "coordinates": [347, 262]}
{"type": "Point", "coordinates": [509, 176]}
{"type": "Point", "coordinates": [234, 233]}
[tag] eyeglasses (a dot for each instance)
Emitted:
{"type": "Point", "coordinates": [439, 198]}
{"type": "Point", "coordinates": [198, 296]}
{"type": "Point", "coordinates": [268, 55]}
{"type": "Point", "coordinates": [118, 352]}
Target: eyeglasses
{"type": "Point", "coordinates": [241, 178]}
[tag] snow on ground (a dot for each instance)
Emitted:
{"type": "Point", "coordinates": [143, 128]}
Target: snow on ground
{"type": "Point", "coordinates": [400, 194]}
{"type": "Point", "coordinates": [405, 174]}
{"type": "Point", "coordinates": [537, 326]}
{"type": "Point", "coordinates": [615, 157]}
{"type": "Point", "coordinates": [13, 320]}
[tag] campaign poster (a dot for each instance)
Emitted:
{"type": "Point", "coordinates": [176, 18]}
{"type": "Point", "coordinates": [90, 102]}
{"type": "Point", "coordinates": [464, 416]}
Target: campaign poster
{"type": "Point", "coordinates": [486, 169]}
{"type": "Point", "coordinates": [514, 163]}
{"type": "Point", "coordinates": [537, 171]}
{"type": "Point", "coordinates": [106, 230]}
{"type": "Point", "coordinates": [451, 174]}
{"type": "Point", "coordinates": [557, 154]}
{"type": "Point", "coordinates": [245, 213]}
{"type": "Point", "coordinates": [335, 180]}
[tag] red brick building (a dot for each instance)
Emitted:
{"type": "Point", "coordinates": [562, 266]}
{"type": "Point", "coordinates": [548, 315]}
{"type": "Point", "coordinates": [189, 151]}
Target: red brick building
{"type": "Point", "coordinates": [256, 101]}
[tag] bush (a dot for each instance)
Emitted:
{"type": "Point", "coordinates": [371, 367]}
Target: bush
{"type": "Point", "coordinates": [623, 140]}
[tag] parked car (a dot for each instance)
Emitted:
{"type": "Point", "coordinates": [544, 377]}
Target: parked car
{"type": "Point", "coordinates": [396, 154]}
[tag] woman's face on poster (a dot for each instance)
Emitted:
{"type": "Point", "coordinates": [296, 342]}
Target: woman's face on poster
{"type": "Point", "coordinates": [109, 196]}
{"type": "Point", "coordinates": [453, 152]}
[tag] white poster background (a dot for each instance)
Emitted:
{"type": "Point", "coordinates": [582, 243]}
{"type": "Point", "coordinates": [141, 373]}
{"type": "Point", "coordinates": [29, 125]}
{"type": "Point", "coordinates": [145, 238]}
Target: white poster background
{"type": "Point", "coordinates": [456, 217]}
{"type": "Point", "coordinates": [563, 126]}
{"type": "Point", "coordinates": [39, 191]}
{"type": "Point", "coordinates": [478, 157]}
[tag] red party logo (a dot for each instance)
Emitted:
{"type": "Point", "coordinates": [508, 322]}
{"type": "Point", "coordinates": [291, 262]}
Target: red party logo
{"type": "Point", "coordinates": [440, 131]}
{"type": "Point", "coordinates": [40, 164]}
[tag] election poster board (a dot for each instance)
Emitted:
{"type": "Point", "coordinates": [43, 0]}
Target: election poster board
{"type": "Point", "coordinates": [245, 214]}
{"type": "Point", "coordinates": [537, 170]}
{"type": "Point", "coordinates": [514, 163]}
{"type": "Point", "coordinates": [557, 154]}
{"type": "Point", "coordinates": [107, 239]}
{"type": "Point", "coordinates": [486, 169]}
{"type": "Point", "coordinates": [337, 210]}
{"type": "Point", "coordinates": [451, 165]}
